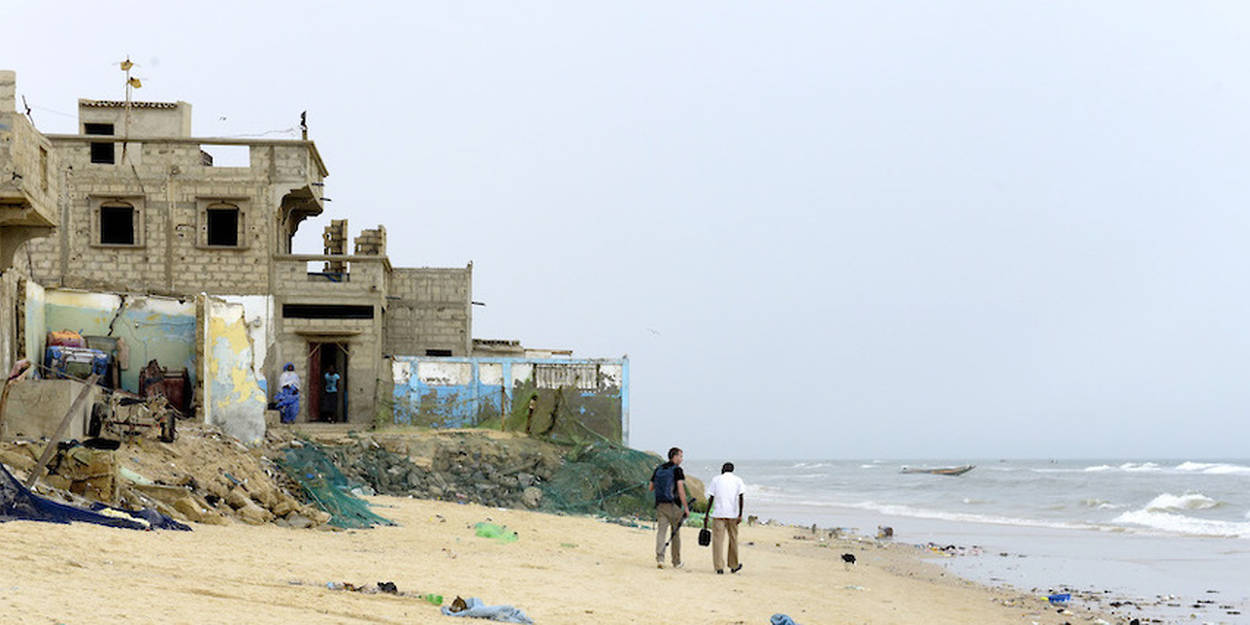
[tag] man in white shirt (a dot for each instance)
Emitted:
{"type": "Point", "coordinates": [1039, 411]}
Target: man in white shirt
{"type": "Point", "coordinates": [724, 504]}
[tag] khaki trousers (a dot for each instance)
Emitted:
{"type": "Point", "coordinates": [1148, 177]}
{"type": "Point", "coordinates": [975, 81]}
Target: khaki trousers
{"type": "Point", "coordinates": [670, 518]}
{"type": "Point", "coordinates": [720, 529]}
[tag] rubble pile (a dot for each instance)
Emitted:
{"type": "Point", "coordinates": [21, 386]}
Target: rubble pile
{"type": "Point", "coordinates": [208, 477]}
{"type": "Point", "coordinates": [470, 469]}
{"type": "Point", "coordinates": [204, 476]}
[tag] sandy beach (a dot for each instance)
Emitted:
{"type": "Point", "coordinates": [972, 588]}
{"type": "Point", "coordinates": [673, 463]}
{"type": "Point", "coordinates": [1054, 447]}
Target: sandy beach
{"type": "Point", "coordinates": [561, 570]}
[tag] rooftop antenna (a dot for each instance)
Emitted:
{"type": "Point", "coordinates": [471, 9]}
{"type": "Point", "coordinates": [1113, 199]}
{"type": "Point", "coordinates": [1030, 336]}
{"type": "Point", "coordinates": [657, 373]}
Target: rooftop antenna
{"type": "Point", "coordinates": [132, 83]}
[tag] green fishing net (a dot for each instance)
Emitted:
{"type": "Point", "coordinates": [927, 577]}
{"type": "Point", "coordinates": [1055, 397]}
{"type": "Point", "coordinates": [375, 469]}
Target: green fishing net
{"type": "Point", "coordinates": [602, 478]}
{"type": "Point", "coordinates": [326, 487]}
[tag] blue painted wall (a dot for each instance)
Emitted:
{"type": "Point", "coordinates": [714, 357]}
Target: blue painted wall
{"type": "Point", "coordinates": [495, 393]}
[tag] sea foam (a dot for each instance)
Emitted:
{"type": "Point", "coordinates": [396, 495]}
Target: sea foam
{"type": "Point", "coordinates": [1181, 524]}
{"type": "Point", "coordinates": [1188, 501]}
{"type": "Point", "coordinates": [1213, 468]}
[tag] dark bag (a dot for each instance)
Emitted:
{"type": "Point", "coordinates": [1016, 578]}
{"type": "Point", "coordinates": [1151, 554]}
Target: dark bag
{"type": "Point", "coordinates": [705, 537]}
{"type": "Point", "coordinates": [665, 480]}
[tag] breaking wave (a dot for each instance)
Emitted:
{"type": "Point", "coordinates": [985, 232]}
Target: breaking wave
{"type": "Point", "coordinates": [1100, 504]}
{"type": "Point", "coordinates": [1213, 468]}
{"type": "Point", "coordinates": [1181, 524]}
{"type": "Point", "coordinates": [1188, 501]}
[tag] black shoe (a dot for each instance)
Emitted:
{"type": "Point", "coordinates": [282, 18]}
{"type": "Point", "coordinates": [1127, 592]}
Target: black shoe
{"type": "Point", "coordinates": [736, 568]}
{"type": "Point", "coordinates": [720, 571]}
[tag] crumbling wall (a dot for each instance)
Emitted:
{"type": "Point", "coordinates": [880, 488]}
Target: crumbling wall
{"type": "Point", "coordinates": [233, 398]}
{"type": "Point", "coordinates": [258, 314]}
{"type": "Point", "coordinates": [576, 398]}
{"type": "Point", "coordinates": [35, 327]}
{"type": "Point", "coordinates": [153, 328]}
{"type": "Point", "coordinates": [430, 309]}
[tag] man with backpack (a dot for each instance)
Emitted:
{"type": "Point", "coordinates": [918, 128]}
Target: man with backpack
{"type": "Point", "coordinates": [669, 483]}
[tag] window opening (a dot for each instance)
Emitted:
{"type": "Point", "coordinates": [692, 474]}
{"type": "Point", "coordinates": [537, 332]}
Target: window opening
{"type": "Point", "coordinates": [223, 225]}
{"type": "Point", "coordinates": [117, 224]}
{"type": "Point", "coordinates": [100, 152]}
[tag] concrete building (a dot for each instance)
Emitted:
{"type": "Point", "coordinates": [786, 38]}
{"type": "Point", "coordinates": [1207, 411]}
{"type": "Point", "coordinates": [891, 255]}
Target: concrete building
{"type": "Point", "coordinates": [97, 223]}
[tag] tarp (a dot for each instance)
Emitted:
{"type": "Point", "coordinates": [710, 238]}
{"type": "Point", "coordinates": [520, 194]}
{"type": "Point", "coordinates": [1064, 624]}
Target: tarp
{"type": "Point", "coordinates": [477, 609]}
{"type": "Point", "coordinates": [17, 503]}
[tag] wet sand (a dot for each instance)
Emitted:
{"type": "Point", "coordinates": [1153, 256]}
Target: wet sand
{"type": "Point", "coordinates": [562, 570]}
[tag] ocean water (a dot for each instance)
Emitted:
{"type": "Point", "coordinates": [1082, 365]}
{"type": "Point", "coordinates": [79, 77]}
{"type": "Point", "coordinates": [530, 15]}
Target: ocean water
{"type": "Point", "coordinates": [1159, 531]}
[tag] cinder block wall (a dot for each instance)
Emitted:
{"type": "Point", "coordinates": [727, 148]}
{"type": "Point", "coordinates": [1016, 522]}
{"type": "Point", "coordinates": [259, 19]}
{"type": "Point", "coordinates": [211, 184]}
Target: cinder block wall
{"type": "Point", "coordinates": [430, 309]}
{"type": "Point", "coordinates": [170, 190]}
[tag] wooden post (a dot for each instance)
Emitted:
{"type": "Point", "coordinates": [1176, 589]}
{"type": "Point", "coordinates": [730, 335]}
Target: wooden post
{"type": "Point", "coordinates": [37, 471]}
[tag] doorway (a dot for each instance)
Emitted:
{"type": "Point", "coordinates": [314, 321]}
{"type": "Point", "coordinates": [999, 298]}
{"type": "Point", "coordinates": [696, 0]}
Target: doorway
{"type": "Point", "coordinates": [327, 377]}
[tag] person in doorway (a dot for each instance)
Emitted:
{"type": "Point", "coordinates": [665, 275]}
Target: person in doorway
{"type": "Point", "coordinates": [287, 397]}
{"type": "Point", "coordinates": [724, 505]}
{"type": "Point", "coordinates": [330, 395]}
{"type": "Point", "coordinates": [668, 482]}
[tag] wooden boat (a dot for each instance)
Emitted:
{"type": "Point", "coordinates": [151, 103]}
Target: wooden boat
{"type": "Point", "coordinates": [952, 471]}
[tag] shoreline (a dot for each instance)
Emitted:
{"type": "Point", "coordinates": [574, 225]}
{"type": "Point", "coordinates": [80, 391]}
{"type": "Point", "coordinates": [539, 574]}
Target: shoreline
{"type": "Point", "coordinates": [1040, 560]}
{"type": "Point", "coordinates": [562, 569]}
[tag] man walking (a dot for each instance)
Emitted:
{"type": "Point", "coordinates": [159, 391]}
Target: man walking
{"type": "Point", "coordinates": [724, 504]}
{"type": "Point", "coordinates": [669, 483]}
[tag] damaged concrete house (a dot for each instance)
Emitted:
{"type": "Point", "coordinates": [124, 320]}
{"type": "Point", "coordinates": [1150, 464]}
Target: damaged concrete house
{"type": "Point", "coordinates": [128, 235]}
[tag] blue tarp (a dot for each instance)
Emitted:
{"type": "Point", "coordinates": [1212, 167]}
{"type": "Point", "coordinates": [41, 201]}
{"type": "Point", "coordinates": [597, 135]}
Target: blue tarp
{"type": "Point", "coordinates": [17, 503]}
{"type": "Point", "coordinates": [476, 609]}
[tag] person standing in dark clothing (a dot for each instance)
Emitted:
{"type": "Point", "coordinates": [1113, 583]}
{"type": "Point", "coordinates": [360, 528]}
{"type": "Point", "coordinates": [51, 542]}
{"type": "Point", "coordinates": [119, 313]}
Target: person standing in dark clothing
{"type": "Point", "coordinates": [668, 482]}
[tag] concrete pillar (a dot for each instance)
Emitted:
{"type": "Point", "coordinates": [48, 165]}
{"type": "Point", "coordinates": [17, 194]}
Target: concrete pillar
{"type": "Point", "coordinates": [8, 91]}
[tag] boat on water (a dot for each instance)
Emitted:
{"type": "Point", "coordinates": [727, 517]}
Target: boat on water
{"type": "Point", "coordinates": [952, 471]}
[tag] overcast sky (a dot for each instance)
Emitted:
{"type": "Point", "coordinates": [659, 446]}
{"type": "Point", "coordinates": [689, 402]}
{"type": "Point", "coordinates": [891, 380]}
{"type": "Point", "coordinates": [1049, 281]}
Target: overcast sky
{"type": "Point", "coordinates": [833, 229]}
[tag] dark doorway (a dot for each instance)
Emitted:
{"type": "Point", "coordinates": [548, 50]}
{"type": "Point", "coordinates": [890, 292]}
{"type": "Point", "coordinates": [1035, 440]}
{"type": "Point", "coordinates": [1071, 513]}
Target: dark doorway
{"type": "Point", "coordinates": [327, 376]}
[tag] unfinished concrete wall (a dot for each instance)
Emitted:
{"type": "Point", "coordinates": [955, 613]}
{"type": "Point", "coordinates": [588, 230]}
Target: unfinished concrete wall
{"type": "Point", "coordinates": [153, 328]}
{"type": "Point", "coordinates": [145, 119]}
{"type": "Point", "coordinates": [589, 397]}
{"type": "Point", "coordinates": [29, 180]}
{"type": "Point", "coordinates": [429, 311]}
{"type": "Point", "coordinates": [232, 396]}
{"type": "Point", "coordinates": [173, 197]}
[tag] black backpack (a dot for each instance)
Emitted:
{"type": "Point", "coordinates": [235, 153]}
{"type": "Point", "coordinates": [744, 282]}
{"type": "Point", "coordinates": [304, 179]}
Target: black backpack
{"type": "Point", "coordinates": [665, 480]}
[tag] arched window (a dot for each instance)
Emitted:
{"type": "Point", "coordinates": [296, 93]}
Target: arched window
{"type": "Point", "coordinates": [117, 223]}
{"type": "Point", "coordinates": [222, 220]}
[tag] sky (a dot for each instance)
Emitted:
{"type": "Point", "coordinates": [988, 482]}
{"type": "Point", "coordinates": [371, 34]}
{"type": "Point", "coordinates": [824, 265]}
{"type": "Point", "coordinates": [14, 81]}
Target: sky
{"type": "Point", "coordinates": [914, 229]}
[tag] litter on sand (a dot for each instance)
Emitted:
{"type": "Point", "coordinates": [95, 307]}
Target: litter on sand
{"type": "Point", "coordinates": [497, 532]}
{"type": "Point", "coordinates": [474, 608]}
{"type": "Point", "coordinates": [781, 619]}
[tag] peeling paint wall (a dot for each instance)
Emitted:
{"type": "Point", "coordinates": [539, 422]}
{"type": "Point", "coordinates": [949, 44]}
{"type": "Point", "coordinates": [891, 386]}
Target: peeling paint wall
{"type": "Point", "coordinates": [157, 328]}
{"type": "Point", "coordinates": [587, 395]}
{"type": "Point", "coordinates": [36, 327]}
{"type": "Point", "coordinates": [233, 398]}
{"type": "Point", "coordinates": [258, 312]}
